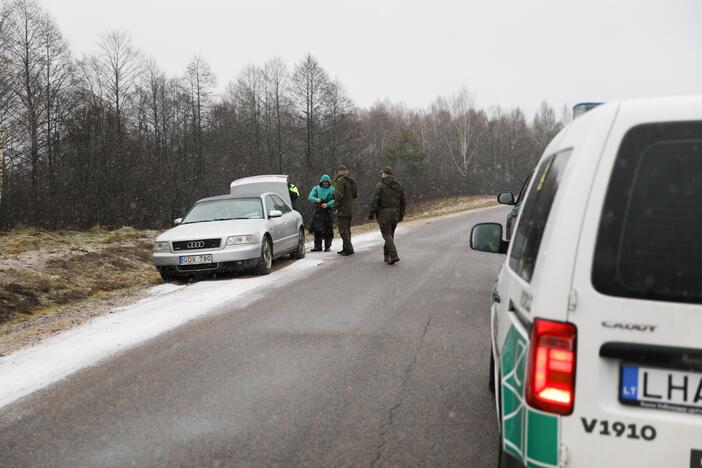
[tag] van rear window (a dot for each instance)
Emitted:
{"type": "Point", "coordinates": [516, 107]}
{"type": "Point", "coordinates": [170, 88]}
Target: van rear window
{"type": "Point", "coordinates": [649, 244]}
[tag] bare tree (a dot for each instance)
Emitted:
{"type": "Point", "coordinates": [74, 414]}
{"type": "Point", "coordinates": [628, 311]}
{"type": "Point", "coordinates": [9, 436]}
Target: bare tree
{"type": "Point", "coordinates": [105, 124]}
{"type": "Point", "coordinates": [118, 67]}
{"type": "Point", "coordinates": [461, 135]}
{"type": "Point", "coordinates": [337, 109]}
{"type": "Point", "coordinates": [25, 29]}
{"type": "Point", "coordinates": [201, 81]}
{"type": "Point", "coordinates": [58, 78]}
{"type": "Point", "coordinates": [544, 127]}
{"type": "Point", "coordinates": [275, 74]}
{"type": "Point", "coordinates": [248, 94]}
{"type": "Point", "coordinates": [155, 96]}
{"type": "Point", "coordinates": [5, 78]}
{"type": "Point", "coordinates": [5, 92]}
{"type": "Point", "coordinates": [309, 86]}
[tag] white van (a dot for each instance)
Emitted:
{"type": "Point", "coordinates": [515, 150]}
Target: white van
{"type": "Point", "coordinates": [597, 310]}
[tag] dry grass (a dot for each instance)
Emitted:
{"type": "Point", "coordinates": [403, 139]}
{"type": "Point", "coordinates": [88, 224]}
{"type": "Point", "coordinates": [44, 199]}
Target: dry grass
{"type": "Point", "coordinates": [440, 207]}
{"type": "Point", "coordinates": [42, 271]}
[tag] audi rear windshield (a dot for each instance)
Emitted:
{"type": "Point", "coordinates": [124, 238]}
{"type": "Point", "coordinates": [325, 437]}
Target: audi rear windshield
{"type": "Point", "coordinates": [649, 244]}
{"type": "Point", "coordinates": [225, 210]}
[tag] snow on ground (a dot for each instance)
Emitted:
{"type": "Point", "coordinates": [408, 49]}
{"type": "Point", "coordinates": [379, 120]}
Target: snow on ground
{"type": "Point", "coordinates": [167, 307]}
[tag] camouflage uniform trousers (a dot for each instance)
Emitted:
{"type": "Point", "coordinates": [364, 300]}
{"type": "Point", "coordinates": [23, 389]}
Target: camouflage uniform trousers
{"type": "Point", "coordinates": [388, 232]}
{"type": "Point", "coordinates": [344, 224]}
{"type": "Point", "coordinates": [387, 220]}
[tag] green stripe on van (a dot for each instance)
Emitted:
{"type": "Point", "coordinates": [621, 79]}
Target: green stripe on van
{"type": "Point", "coordinates": [529, 435]}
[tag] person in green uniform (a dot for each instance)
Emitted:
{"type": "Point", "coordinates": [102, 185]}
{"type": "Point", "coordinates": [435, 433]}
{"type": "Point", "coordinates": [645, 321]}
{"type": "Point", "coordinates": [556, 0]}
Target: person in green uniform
{"type": "Point", "coordinates": [388, 207]}
{"type": "Point", "coordinates": [344, 195]}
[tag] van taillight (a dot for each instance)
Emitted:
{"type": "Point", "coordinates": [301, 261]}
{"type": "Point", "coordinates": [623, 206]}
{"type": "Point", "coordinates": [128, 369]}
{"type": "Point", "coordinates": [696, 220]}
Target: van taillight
{"type": "Point", "coordinates": [550, 382]}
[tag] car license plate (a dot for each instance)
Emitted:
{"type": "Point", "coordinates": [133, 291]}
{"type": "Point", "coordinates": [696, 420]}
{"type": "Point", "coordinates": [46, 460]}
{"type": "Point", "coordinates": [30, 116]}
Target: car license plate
{"type": "Point", "coordinates": [195, 259]}
{"type": "Point", "coordinates": [663, 389]}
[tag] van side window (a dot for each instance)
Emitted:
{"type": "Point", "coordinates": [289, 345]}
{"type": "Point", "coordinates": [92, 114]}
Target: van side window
{"type": "Point", "coordinates": [537, 207]}
{"type": "Point", "coordinates": [649, 242]}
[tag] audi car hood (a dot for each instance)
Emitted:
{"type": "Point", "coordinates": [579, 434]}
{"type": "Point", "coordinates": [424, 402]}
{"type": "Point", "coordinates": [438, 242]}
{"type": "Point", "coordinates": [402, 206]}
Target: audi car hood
{"type": "Point", "coordinates": [213, 229]}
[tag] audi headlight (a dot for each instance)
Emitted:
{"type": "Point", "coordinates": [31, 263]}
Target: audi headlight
{"type": "Point", "coordinates": [162, 246]}
{"type": "Point", "coordinates": [240, 240]}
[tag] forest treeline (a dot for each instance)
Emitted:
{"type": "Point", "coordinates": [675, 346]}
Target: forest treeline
{"type": "Point", "coordinates": [110, 139]}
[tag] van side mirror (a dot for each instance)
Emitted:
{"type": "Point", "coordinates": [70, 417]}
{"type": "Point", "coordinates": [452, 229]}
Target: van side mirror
{"type": "Point", "coordinates": [487, 237]}
{"type": "Point", "coordinates": [506, 198]}
{"type": "Point", "coordinates": [177, 221]}
{"type": "Point", "coordinates": [275, 214]}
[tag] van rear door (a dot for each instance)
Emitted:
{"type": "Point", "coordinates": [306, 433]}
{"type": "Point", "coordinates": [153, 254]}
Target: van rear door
{"type": "Point", "coordinates": [638, 284]}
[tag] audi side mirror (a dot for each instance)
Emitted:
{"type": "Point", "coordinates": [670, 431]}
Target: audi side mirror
{"type": "Point", "coordinates": [506, 198]}
{"type": "Point", "coordinates": [487, 237]}
{"type": "Point", "coordinates": [177, 221]}
{"type": "Point", "coordinates": [275, 214]}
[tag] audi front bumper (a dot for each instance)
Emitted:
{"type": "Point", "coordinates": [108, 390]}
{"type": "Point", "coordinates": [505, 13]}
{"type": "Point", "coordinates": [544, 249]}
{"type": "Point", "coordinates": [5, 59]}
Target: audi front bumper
{"type": "Point", "coordinates": [222, 259]}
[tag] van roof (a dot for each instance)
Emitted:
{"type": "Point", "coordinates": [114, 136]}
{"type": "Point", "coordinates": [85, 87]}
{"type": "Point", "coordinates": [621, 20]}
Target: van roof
{"type": "Point", "coordinates": [659, 105]}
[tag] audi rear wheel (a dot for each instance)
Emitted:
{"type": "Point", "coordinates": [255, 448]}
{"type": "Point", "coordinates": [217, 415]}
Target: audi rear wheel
{"type": "Point", "coordinates": [300, 252]}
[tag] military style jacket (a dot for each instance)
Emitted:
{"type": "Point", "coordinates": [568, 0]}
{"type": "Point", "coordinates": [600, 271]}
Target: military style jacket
{"type": "Point", "coordinates": [388, 204]}
{"type": "Point", "coordinates": [344, 194]}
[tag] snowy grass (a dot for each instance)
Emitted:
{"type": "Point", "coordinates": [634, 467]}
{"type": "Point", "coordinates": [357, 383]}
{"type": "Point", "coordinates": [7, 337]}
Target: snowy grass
{"type": "Point", "coordinates": [43, 271]}
{"type": "Point", "coordinates": [165, 307]}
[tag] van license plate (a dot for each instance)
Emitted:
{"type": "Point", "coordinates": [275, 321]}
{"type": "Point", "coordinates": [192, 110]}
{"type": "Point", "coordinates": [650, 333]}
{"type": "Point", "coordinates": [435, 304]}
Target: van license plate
{"type": "Point", "coordinates": [195, 259]}
{"type": "Point", "coordinates": [663, 389]}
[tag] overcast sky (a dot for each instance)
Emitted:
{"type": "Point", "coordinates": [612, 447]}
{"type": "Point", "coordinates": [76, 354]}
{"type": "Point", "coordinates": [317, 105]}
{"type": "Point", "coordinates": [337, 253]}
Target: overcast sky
{"type": "Point", "coordinates": [509, 53]}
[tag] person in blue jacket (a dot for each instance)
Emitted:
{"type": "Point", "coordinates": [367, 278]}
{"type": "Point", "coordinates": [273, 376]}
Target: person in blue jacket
{"type": "Point", "coordinates": [322, 226]}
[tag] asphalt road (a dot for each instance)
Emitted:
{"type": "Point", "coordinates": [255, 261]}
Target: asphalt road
{"type": "Point", "coordinates": [357, 364]}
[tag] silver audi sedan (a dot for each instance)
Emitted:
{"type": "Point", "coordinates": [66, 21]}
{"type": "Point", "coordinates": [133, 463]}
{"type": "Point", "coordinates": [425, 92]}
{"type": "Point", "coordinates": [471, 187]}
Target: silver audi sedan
{"type": "Point", "coordinates": [228, 233]}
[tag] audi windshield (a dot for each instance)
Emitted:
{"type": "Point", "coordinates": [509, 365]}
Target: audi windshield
{"type": "Point", "coordinates": [225, 210]}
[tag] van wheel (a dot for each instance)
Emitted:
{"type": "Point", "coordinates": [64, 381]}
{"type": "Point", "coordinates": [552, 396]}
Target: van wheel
{"type": "Point", "coordinates": [265, 261]}
{"type": "Point", "coordinates": [491, 379]}
{"type": "Point", "coordinates": [300, 252]}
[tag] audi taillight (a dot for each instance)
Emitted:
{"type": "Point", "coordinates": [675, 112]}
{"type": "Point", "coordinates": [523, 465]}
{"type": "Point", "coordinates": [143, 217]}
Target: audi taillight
{"type": "Point", "coordinates": [550, 382]}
